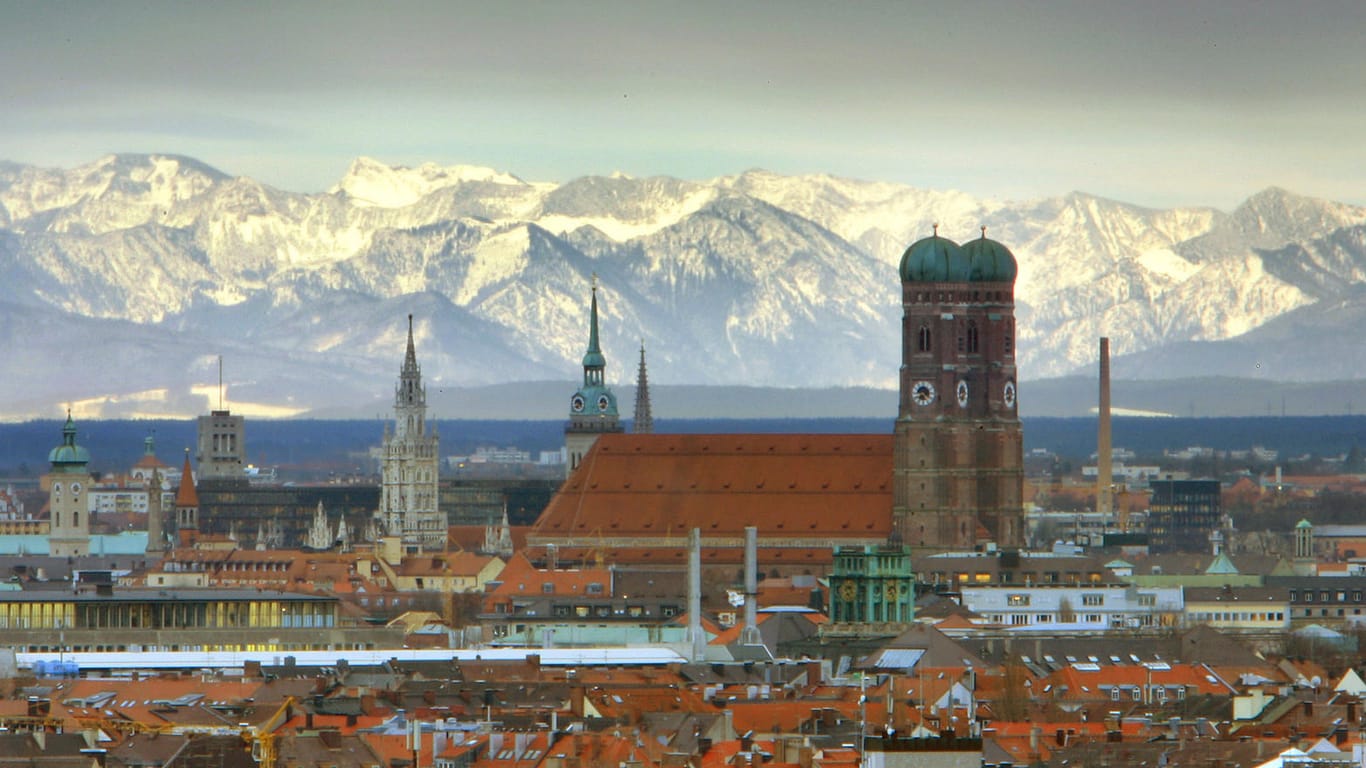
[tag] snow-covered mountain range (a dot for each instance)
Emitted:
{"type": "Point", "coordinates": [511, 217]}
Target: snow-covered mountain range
{"type": "Point", "coordinates": [122, 281]}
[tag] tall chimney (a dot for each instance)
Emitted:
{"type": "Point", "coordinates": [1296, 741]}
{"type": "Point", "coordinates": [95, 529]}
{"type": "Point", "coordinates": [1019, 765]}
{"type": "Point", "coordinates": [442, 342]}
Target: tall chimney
{"type": "Point", "coordinates": [695, 635]}
{"type": "Point", "coordinates": [750, 634]}
{"type": "Point", "coordinates": [1105, 482]}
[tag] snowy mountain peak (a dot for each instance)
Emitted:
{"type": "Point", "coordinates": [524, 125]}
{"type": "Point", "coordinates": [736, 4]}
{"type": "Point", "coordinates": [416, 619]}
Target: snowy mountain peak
{"type": "Point", "coordinates": [369, 182]}
{"type": "Point", "coordinates": [752, 279]}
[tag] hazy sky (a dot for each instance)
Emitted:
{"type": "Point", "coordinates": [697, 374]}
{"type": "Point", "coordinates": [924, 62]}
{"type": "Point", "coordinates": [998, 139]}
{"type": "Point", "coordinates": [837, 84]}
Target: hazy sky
{"type": "Point", "coordinates": [1158, 103]}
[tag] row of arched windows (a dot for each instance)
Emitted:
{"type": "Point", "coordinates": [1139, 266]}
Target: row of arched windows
{"type": "Point", "coordinates": [969, 339]}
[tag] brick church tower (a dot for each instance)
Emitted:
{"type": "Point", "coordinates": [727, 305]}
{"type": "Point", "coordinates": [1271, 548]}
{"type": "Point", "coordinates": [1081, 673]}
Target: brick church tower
{"type": "Point", "coordinates": [958, 456]}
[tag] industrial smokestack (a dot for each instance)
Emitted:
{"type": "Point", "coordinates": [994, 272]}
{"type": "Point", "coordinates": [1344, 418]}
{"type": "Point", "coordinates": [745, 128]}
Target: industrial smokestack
{"type": "Point", "coordinates": [1105, 499]}
{"type": "Point", "coordinates": [695, 635]}
{"type": "Point", "coordinates": [750, 634]}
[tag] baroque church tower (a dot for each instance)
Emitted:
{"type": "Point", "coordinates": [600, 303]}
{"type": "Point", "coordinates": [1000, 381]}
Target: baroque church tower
{"type": "Point", "coordinates": [69, 524]}
{"type": "Point", "coordinates": [408, 495]}
{"type": "Point", "coordinates": [958, 453]}
{"type": "Point", "coordinates": [592, 409]}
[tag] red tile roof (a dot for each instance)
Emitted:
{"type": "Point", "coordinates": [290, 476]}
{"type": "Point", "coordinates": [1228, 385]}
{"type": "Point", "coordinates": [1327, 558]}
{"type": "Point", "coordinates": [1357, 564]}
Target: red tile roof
{"type": "Point", "coordinates": [186, 495]}
{"type": "Point", "coordinates": [810, 487]}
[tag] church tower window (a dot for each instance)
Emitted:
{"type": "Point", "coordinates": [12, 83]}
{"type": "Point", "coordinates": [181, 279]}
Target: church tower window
{"type": "Point", "coordinates": [925, 342]}
{"type": "Point", "coordinates": [972, 337]}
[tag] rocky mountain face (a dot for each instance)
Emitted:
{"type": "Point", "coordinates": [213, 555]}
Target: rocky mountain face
{"type": "Point", "coordinates": [123, 280]}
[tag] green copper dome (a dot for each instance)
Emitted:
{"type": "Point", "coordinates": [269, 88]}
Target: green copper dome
{"type": "Point", "coordinates": [68, 453]}
{"type": "Point", "coordinates": [989, 261]}
{"type": "Point", "coordinates": [934, 260]}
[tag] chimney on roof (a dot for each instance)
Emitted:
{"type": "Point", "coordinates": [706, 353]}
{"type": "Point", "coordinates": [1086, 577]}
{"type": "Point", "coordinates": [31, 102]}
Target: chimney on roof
{"type": "Point", "coordinates": [750, 634]}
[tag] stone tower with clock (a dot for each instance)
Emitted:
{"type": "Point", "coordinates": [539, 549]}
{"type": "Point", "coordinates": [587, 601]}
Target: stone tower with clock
{"type": "Point", "coordinates": [69, 523]}
{"type": "Point", "coordinates": [592, 409]}
{"type": "Point", "coordinates": [958, 477]}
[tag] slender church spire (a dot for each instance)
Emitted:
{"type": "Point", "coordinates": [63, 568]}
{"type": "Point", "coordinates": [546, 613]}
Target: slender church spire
{"type": "Point", "coordinates": [592, 409]}
{"type": "Point", "coordinates": [594, 362]}
{"type": "Point", "coordinates": [644, 421]}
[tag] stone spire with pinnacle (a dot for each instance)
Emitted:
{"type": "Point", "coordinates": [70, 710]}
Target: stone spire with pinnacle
{"type": "Point", "coordinates": [644, 421]}
{"type": "Point", "coordinates": [410, 465]}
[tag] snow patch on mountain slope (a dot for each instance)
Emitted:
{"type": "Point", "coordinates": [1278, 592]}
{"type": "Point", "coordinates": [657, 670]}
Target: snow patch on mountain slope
{"type": "Point", "coordinates": [622, 230]}
{"type": "Point", "coordinates": [369, 182]}
{"type": "Point", "coordinates": [1165, 262]}
{"type": "Point", "coordinates": [499, 258]}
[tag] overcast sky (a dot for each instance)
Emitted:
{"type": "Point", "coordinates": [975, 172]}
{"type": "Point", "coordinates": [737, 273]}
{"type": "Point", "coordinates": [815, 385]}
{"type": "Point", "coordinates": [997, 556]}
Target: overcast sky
{"type": "Point", "coordinates": [1157, 103]}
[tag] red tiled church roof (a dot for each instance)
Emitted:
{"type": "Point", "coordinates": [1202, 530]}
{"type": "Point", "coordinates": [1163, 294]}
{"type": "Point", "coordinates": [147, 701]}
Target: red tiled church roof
{"type": "Point", "coordinates": [659, 486]}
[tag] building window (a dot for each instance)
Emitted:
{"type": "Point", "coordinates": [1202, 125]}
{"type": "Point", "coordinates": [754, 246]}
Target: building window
{"type": "Point", "coordinates": [924, 342]}
{"type": "Point", "coordinates": [972, 337]}
{"type": "Point", "coordinates": [1093, 599]}
{"type": "Point", "coordinates": [1017, 600]}
{"type": "Point", "coordinates": [1147, 600]}
{"type": "Point", "coordinates": [595, 588]}
{"type": "Point", "coordinates": [1114, 693]}
{"type": "Point", "coordinates": [548, 588]}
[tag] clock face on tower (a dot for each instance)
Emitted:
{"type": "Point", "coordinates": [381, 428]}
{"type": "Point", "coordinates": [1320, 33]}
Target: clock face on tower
{"type": "Point", "coordinates": [922, 392]}
{"type": "Point", "coordinates": [577, 404]}
{"type": "Point", "coordinates": [848, 590]}
{"type": "Point", "coordinates": [962, 393]}
{"type": "Point", "coordinates": [1008, 396]}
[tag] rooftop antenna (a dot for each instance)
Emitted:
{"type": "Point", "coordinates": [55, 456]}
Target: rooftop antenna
{"type": "Point", "coordinates": [220, 382]}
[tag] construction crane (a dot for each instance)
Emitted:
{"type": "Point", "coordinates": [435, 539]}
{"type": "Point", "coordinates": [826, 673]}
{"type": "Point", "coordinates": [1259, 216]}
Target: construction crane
{"type": "Point", "coordinates": [260, 738]}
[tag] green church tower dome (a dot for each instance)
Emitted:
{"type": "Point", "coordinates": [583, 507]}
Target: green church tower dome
{"type": "Point", "coordinates": [989, 261]}
{"type": "Point", "coordinates": [934, 259]}
{"type": "Point", "coordinates": [68, 454]}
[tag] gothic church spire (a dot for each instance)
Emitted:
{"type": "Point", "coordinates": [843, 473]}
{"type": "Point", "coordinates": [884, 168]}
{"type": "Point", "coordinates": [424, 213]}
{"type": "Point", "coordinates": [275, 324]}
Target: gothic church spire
{"type": "Point", "coordinates": [644, 422]}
